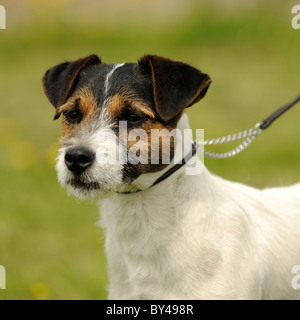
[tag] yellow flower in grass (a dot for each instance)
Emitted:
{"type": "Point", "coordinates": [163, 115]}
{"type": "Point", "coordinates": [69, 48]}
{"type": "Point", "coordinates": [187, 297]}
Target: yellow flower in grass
{"type": "Point", "coordinates": [40, 291]}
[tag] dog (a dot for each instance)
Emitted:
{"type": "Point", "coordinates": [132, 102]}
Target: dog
{"type": "Point", "coordinates": [182, 236]}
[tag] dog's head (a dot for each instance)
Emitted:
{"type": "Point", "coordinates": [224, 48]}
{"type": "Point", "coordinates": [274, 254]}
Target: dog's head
{"type": "Point", "coordinates": [111, 113]}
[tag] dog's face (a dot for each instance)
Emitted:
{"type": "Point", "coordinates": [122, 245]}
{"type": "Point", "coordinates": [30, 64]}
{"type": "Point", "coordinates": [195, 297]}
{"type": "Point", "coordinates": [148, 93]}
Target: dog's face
{"type": "Point", "coordinates": [109, 115]}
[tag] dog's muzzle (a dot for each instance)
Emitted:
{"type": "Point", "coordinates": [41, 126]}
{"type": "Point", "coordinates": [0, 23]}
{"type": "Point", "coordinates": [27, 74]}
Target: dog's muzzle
{"type": "Point", "coordinates": [79, 159]}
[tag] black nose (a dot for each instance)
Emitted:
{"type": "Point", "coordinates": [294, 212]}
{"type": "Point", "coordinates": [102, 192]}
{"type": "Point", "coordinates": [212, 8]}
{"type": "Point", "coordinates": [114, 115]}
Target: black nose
{"type": "Point", "coordinates": [79, 159]}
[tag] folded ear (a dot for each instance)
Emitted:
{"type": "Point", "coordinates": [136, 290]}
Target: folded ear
{"type": "Point", "coordinates": [59, 82]}
{"type": "Point", "coordinates": [176, 85]}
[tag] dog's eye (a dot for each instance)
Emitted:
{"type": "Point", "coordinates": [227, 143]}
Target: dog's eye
{"type": "Point", "coordinates": [134, 118]}
{"type": "Point", "coordinates": [73, 116]}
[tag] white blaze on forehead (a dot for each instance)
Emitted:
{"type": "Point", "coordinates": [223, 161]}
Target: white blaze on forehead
{"type": "Point", "coordinates": [107, 84]}
{"type": "Point", "coordinates": [109, 76]}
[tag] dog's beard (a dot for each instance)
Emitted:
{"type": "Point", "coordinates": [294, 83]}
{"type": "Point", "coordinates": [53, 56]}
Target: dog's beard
{"type": "Point", "coordinates": [85, 186]}
{"type": "Point", "coordinates": [95, 182]}
{"type": "Point", "coordinates": [84, 191]}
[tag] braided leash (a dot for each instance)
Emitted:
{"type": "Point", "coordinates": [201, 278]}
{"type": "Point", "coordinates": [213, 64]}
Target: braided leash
{"type": "Point", "coordinates": [249, 135]}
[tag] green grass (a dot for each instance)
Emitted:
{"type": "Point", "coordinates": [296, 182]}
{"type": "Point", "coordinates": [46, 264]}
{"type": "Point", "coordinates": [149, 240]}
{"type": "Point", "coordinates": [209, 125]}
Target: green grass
{"type": "Point", "coordinates": [49, 243]}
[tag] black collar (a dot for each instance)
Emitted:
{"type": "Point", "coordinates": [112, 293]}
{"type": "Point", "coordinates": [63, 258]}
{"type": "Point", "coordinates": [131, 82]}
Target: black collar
{"type": "Point", "coordinates": [173, 169]}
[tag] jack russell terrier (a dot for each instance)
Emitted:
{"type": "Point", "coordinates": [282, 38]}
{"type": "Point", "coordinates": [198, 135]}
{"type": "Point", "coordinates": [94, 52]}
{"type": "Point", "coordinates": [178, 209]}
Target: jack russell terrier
{"type": "Point", "coordinates": [174, 236]}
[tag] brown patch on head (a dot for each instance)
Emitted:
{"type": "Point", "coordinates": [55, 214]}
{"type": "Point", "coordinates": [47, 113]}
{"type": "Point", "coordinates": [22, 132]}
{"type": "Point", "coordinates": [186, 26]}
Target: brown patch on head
{"type": "Point", "coordinates": [126, 102]}
{"type": "Point", "coordinates": [87, 103]}
{"type": "Point", "coordinates": [115, 106]}
{"type": "Point", "coordinates": [84, 102]}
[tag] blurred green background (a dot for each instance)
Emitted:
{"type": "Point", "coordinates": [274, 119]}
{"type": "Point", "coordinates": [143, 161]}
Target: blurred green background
{"type": "Point", "coordinates": [49, 243]}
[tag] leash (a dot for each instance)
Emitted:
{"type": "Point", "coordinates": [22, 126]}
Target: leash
{"type": "Point", "coordinates": [249, 136]}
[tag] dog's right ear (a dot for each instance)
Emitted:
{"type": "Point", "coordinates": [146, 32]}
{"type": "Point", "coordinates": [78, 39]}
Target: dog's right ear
{"type": "Point", "coordinates": [175, 85]}
{"type": "Point", "coordinates": [59, 82]}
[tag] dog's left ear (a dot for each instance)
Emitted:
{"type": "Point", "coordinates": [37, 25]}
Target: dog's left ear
{"type": "Point", "coordinates": [176, 85]}
{"type": "Point", "coordinates": [59, 82]}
